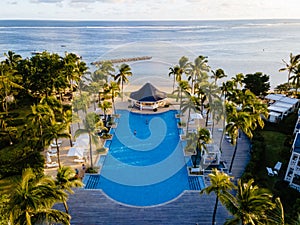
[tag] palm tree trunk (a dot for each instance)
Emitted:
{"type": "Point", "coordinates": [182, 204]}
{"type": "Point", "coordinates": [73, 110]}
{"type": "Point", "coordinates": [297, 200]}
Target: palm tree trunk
{"type": "Point", "coordinates": [70, 139]}
{"type": "Point", "coordinates": [66, 207]}
{"type": "Point", "coordinates": [188, 121]}
{"type": "Point", "coordinates": [222, 136]}
{"type": "Point", "coordinates": [215, 211]}
{"type": "Point", "coordinates": [91, 150]}
{"type": "Point", "coordinates": [233, 156]}
{"type": "Point", "coordinates": [57, 149]}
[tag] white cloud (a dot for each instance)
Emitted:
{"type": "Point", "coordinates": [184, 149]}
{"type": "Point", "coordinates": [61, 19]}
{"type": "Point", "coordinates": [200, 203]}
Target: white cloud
{"type": "Point", "coordinates": [147, 10]}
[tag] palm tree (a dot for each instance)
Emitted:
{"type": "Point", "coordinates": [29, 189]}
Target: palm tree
{"type": "Point", "coordinates": [238, 80]}
{"type": "Point", "coordinates": [218, 74]}
{"type": "Point", "coordinates": [220, 184]}
{"type": "Point", "coordinates": [73, 68]}
{"type": "Point", "coordinates": [31, 199]}
{"type": "Point", "coordinates": [7, 84]}
{"type": "Point", "coordinates": [121, 77]}
{"type": "Point", "coordinates": [296, 78]}
{"type": "Point", "coordinates": [237, 120]}
{"type": "Point", "coordinates": [182, 89]}
{"type": "Point", "coordinates": [92, 124]}
{"type": "Point", "coordinates": [203, 138]}
{"type": "Point", "coordinates": [178, 70]}
{"type": "Point", "coordinates": [53, 132]}
{"type": "Point", "coordinates": [211, 91]}
{"type": "Point", "coordinates": [40, 116]}
{"type": "Point", "coordinates": [68, 118]}
{"type": "Point", "coordinates": [114, 90]}
{"type": "Point", "coordinates": [191, 103]}
{"type": "Point", "coordinates": [290, 67]}
{"type": "Point", "coordinates": [105, 105]}
{"type": "Point", "coordinates": [65, 181]}
{"type": "Point", "coordinates": [104, 70]}
{"type": "Point", "coordinates": [250, 206]}
{"type": "Point", "coordinates": [198, 71]}
{"type": "Point", "coordinates": [12, 59]}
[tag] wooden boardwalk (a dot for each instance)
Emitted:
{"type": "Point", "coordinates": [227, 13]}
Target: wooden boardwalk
{"type": "Point", "coordinates": [93, 207]}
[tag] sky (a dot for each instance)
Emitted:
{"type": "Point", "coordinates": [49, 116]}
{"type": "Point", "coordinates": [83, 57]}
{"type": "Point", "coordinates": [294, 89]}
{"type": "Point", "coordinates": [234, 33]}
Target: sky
{"type": "Point", "coordinates": [149, 9]}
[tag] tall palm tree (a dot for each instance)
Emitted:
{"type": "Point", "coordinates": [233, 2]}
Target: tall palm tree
{"type": "Point", "coordinates": [7, 84]}
{"type": "Point", "coordinates": [178, 70]}
{"type": "Point", "coordinates": [73, 68]}
{"type": "Point", "coordinates": [182, 90]}
{"type": "Point", "coordinates": [237, 120]}
{"type": "Point", "coordinates": [92, 124]}
{"type": "Point", "coordinates": [121, 77]}
{"type": "Point", "coordinates": [296, 78]}
{"type": "Point", "coordinates": [203, 138]}
{"type": "Point", "coordinates": [290, 66]}
{"type": "Point", "coordinates": [197, 71]}
{"type": "Point", "coordinates": [68, 118]}
{"type": "Point", "coordinates": [54, 131]}
{"type": "Point", "coordinates": [251, 204]}
{"type": "Point", "coordinates": [31, 199]}
{"type": "Point", "coordinates": [191, 103]}
{"type": "Point", "coordinates": [40, 116]}
{"type": "Point", "coordinates": [218, 74]}
{"type": "Point", "coordinates": [220, 183]}
{"type": "Point", "coordinates": [238, 80]}
{"type": "Point", "coordinates": [12, 59]}
{"type": "Point", "coordinates": [104, 70]}
{"type": "Point", "coordinates": [105, 105]}
{"type": "Point", "coordinates": [65, 181]}
{"type": "Point", "coordinates": [114, 90]}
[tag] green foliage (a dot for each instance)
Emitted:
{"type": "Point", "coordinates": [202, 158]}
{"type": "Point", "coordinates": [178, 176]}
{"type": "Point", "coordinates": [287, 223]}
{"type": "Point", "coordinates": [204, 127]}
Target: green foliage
{"type": "Point", "coordinates": [91, 170]}
{"type": "Point", "coordinates": [13, 159]}
{"type": "Point", "coordinates": [258, 83]}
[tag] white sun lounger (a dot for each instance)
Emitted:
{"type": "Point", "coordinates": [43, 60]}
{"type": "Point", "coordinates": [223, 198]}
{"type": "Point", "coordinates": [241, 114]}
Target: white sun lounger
{"type": "Point", "coordinates": [270, 171]}
{"type": "Point", "coordinates": [277, 167]}
{"type": "Point", "coordinates": [52, 165]}
{"type": "Point", "coordinates": [79, 160]}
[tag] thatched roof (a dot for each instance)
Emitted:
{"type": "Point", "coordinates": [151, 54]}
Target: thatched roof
{"type": "Point", "coordinates": [148, 93]}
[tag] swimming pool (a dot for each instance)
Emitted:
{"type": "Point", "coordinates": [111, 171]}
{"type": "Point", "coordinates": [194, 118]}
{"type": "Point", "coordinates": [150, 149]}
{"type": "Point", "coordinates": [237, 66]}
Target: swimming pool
{"type": "Point", "coordinates": [145, 164]}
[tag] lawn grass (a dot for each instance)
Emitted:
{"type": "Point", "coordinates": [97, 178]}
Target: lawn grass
{"type": "Point", "coordinates": [275, 151]}
{"type": "Point", "coordinates": [270, 145]}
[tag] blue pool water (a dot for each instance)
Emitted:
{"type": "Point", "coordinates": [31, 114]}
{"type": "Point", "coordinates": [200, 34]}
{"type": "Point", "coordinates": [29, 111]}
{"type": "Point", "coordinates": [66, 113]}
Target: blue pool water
{"type": "Point", "coordinates": [145, 164]}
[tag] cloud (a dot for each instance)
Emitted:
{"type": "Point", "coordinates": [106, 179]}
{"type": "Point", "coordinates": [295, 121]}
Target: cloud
{"type": "Point", "coordinates": [46, 1]}
{"type": "Point", "coordinates": [12, 2]}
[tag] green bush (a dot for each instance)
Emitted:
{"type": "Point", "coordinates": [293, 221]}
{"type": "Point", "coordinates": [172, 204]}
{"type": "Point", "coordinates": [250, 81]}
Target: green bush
{"type": "Point", "coordinates": [91, 170]}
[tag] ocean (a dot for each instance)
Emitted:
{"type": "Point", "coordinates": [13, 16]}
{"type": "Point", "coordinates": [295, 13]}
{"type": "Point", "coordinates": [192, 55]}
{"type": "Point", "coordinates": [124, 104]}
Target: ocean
{"type": "Point", "coordinates": [236, 46]}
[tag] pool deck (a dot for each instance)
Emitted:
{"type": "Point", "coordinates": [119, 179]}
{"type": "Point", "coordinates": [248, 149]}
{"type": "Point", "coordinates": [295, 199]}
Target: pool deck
{"type": "Point", "coordinates": [93, 207]}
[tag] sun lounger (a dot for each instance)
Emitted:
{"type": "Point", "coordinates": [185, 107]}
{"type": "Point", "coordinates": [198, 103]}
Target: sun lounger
{"type": "Point", "coordinates": [52, 165]}
{"type": "Point", "coordinates": [79, 160]}
{"type": "Point", "coordinates": [52, 151]}
{"type": "Point", "coordinates": [277, 167]}
{"type": "Point", "coordinates": [270, 171]}
{"type": "Point", "coordinates": [195, 170]}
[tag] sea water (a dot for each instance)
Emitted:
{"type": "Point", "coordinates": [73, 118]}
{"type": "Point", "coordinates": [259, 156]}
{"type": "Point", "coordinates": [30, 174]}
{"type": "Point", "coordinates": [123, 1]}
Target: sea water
{"type": "Point", "coordinates": [237, 46]}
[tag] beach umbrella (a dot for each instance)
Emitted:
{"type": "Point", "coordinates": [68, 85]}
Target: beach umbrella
{"type": "Point", "coordinates": [196, 116]}
{"type": "Point", "coordinates": [76, 151]}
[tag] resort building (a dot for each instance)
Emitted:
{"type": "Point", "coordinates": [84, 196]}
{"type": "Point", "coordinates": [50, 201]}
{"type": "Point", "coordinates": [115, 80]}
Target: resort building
{"type": "Point", "coordinates": [280, 106]}
{"type": "Point", "coordinates": [148, 97]}
{"type": "Point", "coordinates": [293, 171]}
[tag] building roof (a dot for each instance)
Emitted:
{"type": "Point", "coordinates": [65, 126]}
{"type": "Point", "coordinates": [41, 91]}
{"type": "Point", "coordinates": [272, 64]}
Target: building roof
{"type": "Point", "coordinates": [283, 104]}
{"type": "Point", "coordinates": [296, 145]}
{"type": "Point", "coordinates": [282, 98]}
{"type": "Point", "coordinates": [274, 97]}
{"type": "Point", "coordinates": [278, 109]}
{"type": "Point", "coordinates": [148, 93]}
